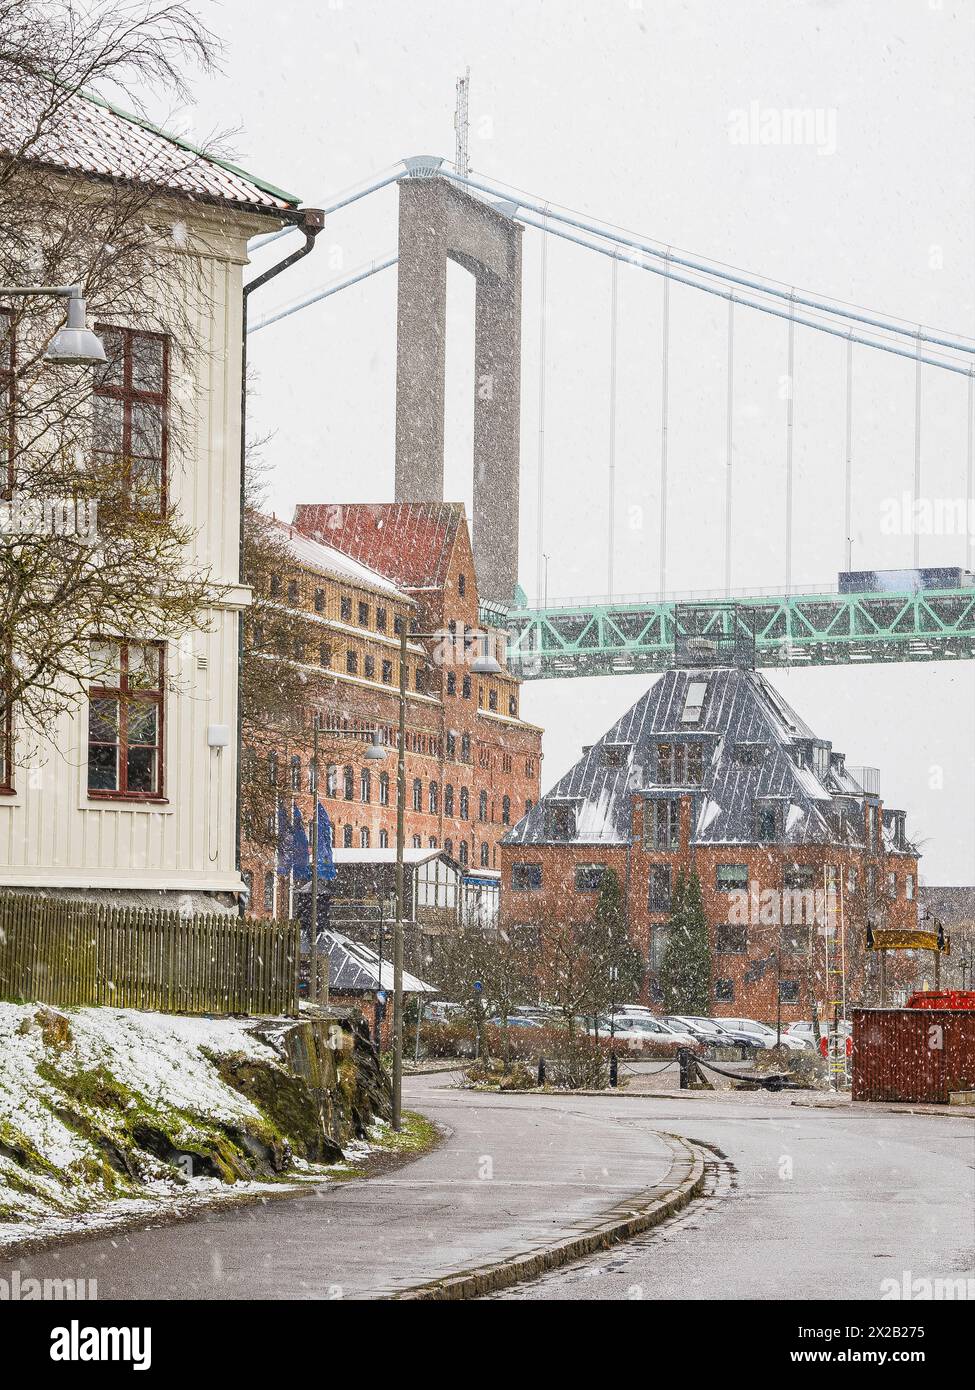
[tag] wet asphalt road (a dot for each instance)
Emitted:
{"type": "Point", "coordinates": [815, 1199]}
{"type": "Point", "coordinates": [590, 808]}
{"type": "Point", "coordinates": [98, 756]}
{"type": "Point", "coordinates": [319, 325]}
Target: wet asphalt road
{"type": "Point", "coordinates": [803, 1203]}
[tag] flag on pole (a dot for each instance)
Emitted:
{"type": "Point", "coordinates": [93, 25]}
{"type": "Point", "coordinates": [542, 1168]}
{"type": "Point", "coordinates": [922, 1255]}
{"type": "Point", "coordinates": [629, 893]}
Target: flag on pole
{"type": "Point", "coordinates": [326, 860]}
{"type": "Point", "coordinates": [286, 845]}
{"type": "Point", "coordinates": [300, 856]}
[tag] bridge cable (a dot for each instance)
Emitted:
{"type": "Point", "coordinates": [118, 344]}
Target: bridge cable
{"type": "Point", "coordinates": [716, 269]}
{"type": "Point", "coordinates": [664, 420]}
{"type": "Point", "coordinates": [613, 345]}
{"type": "Point", "coordinates": [820, 325]}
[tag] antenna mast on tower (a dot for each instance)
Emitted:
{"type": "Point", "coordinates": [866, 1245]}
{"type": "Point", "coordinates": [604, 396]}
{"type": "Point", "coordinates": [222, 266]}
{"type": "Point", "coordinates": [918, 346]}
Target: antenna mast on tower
{"type": "Point", "coordinates": [461, 126]}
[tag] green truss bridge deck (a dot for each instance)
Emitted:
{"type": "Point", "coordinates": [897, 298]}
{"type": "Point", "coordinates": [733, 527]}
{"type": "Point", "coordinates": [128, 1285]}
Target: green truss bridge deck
{"type": "Point", "coordinates": [600, 638]}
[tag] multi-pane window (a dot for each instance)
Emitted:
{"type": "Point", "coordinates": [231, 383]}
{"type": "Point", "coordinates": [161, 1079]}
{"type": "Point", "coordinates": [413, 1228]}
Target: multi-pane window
{"type": "Point", "coordinates": [384, 789]}
{"type": "Point", "coordinates": [6, 746]}
{"type": "Point", "coordinates": [680, 764]}
{"type": "Point", "coordinates": [463, 854]}
{"type": "Point", "coordinates": [129, 416]}
{"type": "Point", "coordinates": [526, 878]}
{"type": "Point", "coordinates": [506, 810]}
{"type": "Point", "coordinates": [384, 839]}
{"type": "Point", "coordinates": [589, 877]}
{"type": "Point", "coordinates": [659, 888]}
{"type": "Point", "coordinates": [387, 673]}
{"type": "Point", "coordinates": [269, 892]}
{"type": "Point", "coordinates": [465, 748]}
{"type": "Point", "coordinates": [662, 824]}
{"type": "Point", "coordinates": [417, 794]}
{"type": "Point", "coordinates": [658, 946]}
{"type": "Point", "coordinates": [728, 877]}
{"type": "Point", "coordinates": [296, 774]}
{"type": "Point", "coordinates": [351, 662]}
{"type": "Point", "coordinates": [799, 876]}
{"type": "Point", "coordinates": [347, 837]}
{"type": "Point", "coordinates": [909, 887]}
{"type": "Point", "coordinates": [434, 799]}
{"type": "Point", "coordinates": [380, 620]}
{"type": "Point", "coordinates": [448, 800]}
{"type": "Point", "coordinates": [485, 855]}
{"type": "Point", "coordinates": [464, 803]}
{"type": "Point", "coordinates": [795, 940]}
{"type": "Point", "coordinates": [345, 608]}
{"type": "Point", "coordinates": [365, 786]}
{"type": "Point", "coordinates": [319, 600]}
{"type": "Point", "coordinates": [125, 719]}
{"type": "Point", "coordinates": [724, 991]}
{"type": "Point", "coordinates": [482, 806]}
{"type": "Point", "coordinates": [363, 614]}
{"type": "Point", "coordinates": [369, 667]}
{"type": "Point", "coordinates": [348, 783]}
{"type": "Point", "coordinates": [466, 688]}
{"type": "Point", "coordinates": [766, 822]}
{"type": "Point", "coordinates": [789, 991]}
{"type": "Point", "coordinates": [730, 939]}
{"type": "Point", "coordinates": [7, 366]}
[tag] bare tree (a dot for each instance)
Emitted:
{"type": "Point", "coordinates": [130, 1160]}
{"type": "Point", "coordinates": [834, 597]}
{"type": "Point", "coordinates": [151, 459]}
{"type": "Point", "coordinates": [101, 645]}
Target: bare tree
{"type": "Point", "coordinates": [67, 571]}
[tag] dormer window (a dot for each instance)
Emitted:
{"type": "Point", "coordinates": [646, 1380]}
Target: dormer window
{"type": "Point", "coordinates": [560, 820]}
{"type": "Point", "coordinates": [680, 764]}
{"type": "Point", "coordinates": [767, 822]}
{"type": "Point", "coordinates": [616, 754]}
{"type": "Point", "coordinates": [694, 702]}
{"type": "Point", "coordinates": [749, 754]}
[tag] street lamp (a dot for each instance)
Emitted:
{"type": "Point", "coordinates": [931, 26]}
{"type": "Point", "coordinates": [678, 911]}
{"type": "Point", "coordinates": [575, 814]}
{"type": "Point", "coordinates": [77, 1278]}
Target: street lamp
{"type": "Point", "coordinates": [375, 753]}
{"type": "Point", "coordinates": [75, 345]}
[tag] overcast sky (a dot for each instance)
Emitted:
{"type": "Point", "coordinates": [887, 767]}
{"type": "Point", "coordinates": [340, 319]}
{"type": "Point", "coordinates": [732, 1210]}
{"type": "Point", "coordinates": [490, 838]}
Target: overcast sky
{"type": "Point", "coordinates": [644, 115]}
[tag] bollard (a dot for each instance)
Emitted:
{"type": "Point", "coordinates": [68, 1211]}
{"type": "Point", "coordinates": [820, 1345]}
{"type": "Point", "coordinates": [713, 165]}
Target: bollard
{"type": "Point", "coordinates": [541, 1071]}
{"type": "Point", "coordinates": [684, 1061]}
{"type": "Point", "coordinates": [614, 1069]}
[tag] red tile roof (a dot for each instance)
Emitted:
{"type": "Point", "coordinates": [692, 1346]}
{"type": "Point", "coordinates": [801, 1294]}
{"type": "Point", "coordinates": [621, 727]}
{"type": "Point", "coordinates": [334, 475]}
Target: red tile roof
{"type": "Point", "coordinates": [408, 542]}
{"type": "Point", "coordinates": [92, 137]}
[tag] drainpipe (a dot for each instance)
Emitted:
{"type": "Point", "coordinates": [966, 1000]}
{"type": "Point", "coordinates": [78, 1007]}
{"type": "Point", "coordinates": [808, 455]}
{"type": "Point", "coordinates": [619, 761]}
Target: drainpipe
{"type": "Point", "coordinates": [311, 221]}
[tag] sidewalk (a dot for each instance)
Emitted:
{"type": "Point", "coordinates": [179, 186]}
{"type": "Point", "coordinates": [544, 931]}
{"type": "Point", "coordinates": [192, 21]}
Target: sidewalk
{"type": "Point", "coordinates": [509, 1182]}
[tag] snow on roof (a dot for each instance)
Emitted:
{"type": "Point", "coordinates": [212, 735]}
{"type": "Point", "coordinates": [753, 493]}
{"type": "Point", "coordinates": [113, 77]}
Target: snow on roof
{"type": "Point", "coordinates": [352, 966]}
{"type": "Point", "coordinates": [333, 562]}
{"type": "Point", "coordinates": [411, 855]}
{"type": "Point", "coordinates": [411, 541]}
{"type": "Point", "coordinates": [95, 138]}
{"type": "Point", "coordinates": [738, 707]}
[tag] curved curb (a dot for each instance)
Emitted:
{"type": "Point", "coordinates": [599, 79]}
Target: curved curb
{"type": "Point", "coordinates": [630, 1217]}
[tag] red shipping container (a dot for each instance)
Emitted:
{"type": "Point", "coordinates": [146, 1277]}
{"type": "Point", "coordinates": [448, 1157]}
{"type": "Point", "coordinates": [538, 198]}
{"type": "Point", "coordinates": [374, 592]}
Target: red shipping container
{"type": "Point", "coordinates": [942, 999]}
{"type": "Point", "coordinates": [912, 1054]}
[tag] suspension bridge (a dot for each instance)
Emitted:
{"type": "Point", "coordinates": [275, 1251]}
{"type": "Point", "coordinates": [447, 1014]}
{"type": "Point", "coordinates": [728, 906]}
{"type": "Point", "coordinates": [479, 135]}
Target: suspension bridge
{"type": "Point", "coordinates": [447, 212]}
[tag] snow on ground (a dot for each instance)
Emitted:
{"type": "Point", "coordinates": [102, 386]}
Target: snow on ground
{"type": "Point", "coordinates": [53, 1178]}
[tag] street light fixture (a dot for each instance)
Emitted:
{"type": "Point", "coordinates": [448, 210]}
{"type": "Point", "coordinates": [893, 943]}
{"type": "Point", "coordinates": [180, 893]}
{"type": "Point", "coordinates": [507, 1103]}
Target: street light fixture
{"type": "Point", "coordinates": [375, 753]}
{"type": "Point", "coordinates": [485, 664]}
{"type": "Point", "coordinates": [75, 345]}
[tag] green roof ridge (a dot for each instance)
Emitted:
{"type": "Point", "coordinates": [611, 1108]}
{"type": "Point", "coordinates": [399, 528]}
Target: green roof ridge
{"type": "Point", "coordinates": [262, 184]}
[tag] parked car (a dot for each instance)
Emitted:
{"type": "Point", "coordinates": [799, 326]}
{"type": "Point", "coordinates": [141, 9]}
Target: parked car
{"type": "Point", "coordinates": [638, 1031]}
{"type": "Point", "coordinates": [762, 1033]}
{"type": "Point", "coordinates": [803, 1030]}
{"type": "Point", "coordinates": [709, 1031]}
{"type": "Point", "coordinates": [516, 1021]}
{"type": "Point", "coordinates": [442, 1011]}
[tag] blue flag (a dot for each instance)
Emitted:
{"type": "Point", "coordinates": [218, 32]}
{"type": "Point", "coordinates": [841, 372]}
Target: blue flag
{"type": "Point", "coordinates": [286, 842]}
{"type": "Point", "coordinates": [301, 859]}
{"type": "Point", "coordinates": [326, 860]}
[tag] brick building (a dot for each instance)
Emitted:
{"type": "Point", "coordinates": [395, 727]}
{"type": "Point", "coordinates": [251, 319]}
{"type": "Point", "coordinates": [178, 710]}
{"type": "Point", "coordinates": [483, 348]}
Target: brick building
{"type": "Point", "coordinates": [472, 764]}
{"type": "Point", "coordinates": [712, 769]}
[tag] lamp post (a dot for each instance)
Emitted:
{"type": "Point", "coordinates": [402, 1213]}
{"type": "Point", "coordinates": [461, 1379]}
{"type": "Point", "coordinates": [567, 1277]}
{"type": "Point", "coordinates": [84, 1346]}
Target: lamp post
{"type": "Point", "coordinates": [482, 665]}
{"type": "Point", "coordinates": [75, 345]}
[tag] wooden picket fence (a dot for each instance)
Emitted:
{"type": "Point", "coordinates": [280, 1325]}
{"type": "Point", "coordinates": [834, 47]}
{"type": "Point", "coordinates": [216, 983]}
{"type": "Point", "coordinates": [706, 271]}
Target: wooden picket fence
{"type": "Point", "coordinates": [73, 953]}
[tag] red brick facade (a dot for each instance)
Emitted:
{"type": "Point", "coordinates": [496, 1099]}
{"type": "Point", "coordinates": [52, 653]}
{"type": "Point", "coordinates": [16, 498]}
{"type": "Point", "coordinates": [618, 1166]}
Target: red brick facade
{"type": "Point", "coordinates": [472, 765]}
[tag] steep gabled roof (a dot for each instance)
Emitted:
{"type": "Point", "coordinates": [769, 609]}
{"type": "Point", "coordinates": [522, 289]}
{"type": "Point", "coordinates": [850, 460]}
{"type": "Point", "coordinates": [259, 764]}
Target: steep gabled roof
{"type": "Point", "coordinates": [409, 542]}
{"type": "Point", "coordinates": [92, 137]}
{"type": "Point", "coordinates": [325, 560]}
{"type": "Point", "coordinates": [739, 707]}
